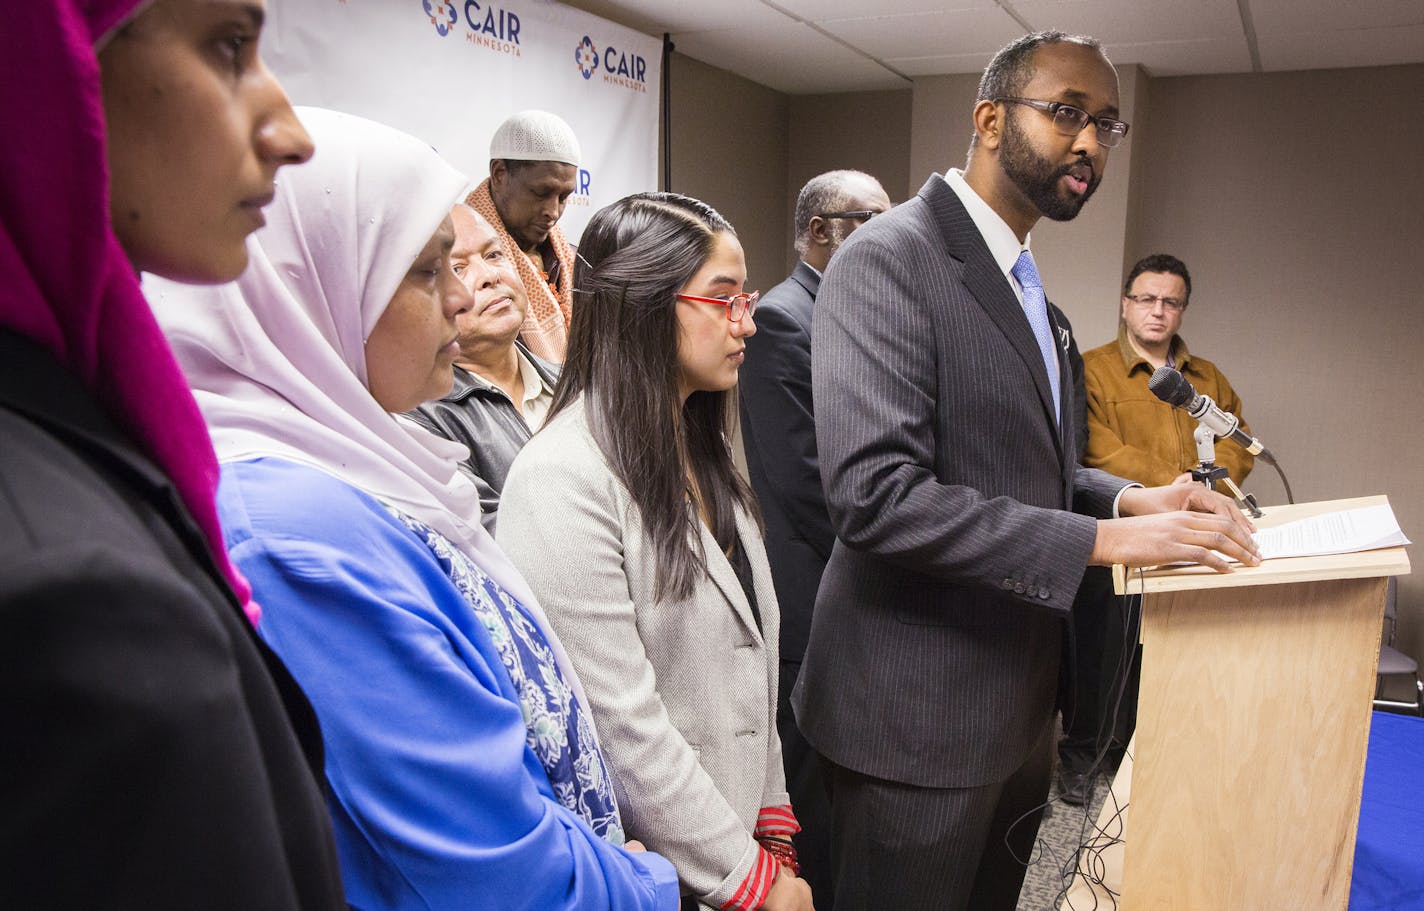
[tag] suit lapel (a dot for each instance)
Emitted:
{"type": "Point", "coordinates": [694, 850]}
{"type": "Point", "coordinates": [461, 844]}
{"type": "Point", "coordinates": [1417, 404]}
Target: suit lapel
{"type": "Point", "coordinates": [807, 278]}
{"type": "Point", "coordinates": [722, 573]}
{"type": "Point", "coordinates": [801, 307]}
{"type": "Point", "coordinates": [1067, 423]}
{"type": "Point", "coordinates": [991, 290]}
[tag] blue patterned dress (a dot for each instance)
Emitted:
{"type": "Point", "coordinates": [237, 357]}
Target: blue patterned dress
{"type": "Point", "coordinates": [560, 732]}
{"type": "Point", "coordinates": [462, 770]}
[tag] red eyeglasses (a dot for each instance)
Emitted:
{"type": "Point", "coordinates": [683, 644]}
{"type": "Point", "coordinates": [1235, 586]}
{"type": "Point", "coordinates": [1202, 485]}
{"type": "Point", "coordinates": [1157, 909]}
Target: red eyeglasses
{"type": "Point", "coordinates": [738, 305]}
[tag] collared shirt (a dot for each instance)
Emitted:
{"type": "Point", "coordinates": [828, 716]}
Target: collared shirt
{"type": "Point", "coordinates": [538, 396]}
{"type": "Point", "coordinates": [486, 420]}
{"type": "Point", "coordinates": [1004, 246]}
{"type": "Point", "coordinates": [1003, 243]}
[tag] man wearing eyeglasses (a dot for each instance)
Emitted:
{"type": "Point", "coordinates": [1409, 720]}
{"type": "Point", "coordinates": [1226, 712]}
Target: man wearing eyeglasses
{"type": "Point", "coordinates": [945, 431]}
{"type": "Point", "coordinates": [779, 438]}
{"type": "Point", "coordinates": [502, 390]}
{"type": "Point", "coordinates": [1131, 432]}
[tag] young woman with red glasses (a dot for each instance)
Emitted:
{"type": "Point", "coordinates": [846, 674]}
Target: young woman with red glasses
{"type": "Point", "coordinates": [628, 519]}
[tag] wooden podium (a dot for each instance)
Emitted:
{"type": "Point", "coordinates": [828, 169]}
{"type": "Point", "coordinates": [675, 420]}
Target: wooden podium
{"type": "Point", "coordinates": [1253, 718]}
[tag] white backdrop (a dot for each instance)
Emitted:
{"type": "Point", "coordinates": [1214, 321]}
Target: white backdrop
{"type": "Point", "coordinates": [449, 71]}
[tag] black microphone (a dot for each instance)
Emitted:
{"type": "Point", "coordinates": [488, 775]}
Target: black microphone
{"type": "Point", "coordinates": [1174, 389]}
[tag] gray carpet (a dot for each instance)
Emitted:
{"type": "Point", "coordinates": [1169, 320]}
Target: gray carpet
{"type": "Point", "coordinates": [1064, 828]}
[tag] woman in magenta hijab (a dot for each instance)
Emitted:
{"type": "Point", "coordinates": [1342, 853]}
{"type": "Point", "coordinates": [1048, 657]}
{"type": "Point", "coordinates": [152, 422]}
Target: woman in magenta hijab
{"type": "Point", "coordinates": [156, 754]}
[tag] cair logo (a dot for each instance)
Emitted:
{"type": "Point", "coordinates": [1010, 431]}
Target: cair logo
{"type": "Point", "coordinates": [582, 194]}
{"type": "Point", "coordinates": [586, 57]}
{"type": "Point", "coordinates": [620, 68]}
{"type": "Point", "coordinates": [488, 25]}
{"type": "Point", "coordinates": [442, 15]}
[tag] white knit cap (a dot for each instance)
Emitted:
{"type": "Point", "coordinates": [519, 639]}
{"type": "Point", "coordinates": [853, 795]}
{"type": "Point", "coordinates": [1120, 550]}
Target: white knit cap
{"type": "Point", "coordinates": [535, 136]}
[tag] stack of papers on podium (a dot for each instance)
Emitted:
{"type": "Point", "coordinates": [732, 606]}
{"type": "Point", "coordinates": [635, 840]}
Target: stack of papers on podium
{"type": "Point", "coordinates": [1345, 532]}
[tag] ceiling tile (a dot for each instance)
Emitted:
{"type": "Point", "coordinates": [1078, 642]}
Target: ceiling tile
{"type": "Point", "coordinates": [1165, 58]}
{"type": "Point", "coordinates": [1115, 21]}
{"type": "Point", "coordinates": [1332, 15]}
{"type": "Point", "coordinates": [763, 40]}
{"type": "Point", "coordinates": [1347, 48]}
{"type": "Point", "coordinates": [942, 64]}
{"type": "Point", "coordinates": [820, 10]}
{"type": "Point", "coordinates": [790, 57]}
{"type": "Point", "coordinates": [657, 16]}
{"type": "Point", "coordinates": [1185, 58]}
{"type": "Point", "coordinates": [942, 33]}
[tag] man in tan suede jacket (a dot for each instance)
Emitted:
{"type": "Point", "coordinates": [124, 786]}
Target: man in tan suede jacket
{"type": "Point", "coordinates": [1131, 433]}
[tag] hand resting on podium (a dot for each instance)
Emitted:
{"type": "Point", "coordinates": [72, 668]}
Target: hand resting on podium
{"type": "Point", "coordinates": [1178, 523]}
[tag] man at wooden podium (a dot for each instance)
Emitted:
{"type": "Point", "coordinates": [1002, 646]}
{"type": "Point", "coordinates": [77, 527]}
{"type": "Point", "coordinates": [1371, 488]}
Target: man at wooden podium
{"type": "Point", "coordinates": [963, 520]}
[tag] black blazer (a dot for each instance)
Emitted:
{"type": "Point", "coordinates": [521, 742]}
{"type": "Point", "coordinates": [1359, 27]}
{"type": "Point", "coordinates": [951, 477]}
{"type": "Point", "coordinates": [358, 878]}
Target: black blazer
{"type": "Point", "coordinates": [155, 753]}
{"type": "Point", "coordinates": [779, 439]}
{"type": "Point", "coordinates": [964, 522]}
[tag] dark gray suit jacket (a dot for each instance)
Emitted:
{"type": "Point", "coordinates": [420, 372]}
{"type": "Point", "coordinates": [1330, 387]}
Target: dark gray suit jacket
{"type": "Point", "coordinates": [935, 649]}
{"type": "Point", "coordinates": [779, 437]}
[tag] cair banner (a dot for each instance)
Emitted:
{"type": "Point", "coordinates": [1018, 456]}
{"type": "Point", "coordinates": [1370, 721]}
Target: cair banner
{"type": "Point", "coordinates": [450, 71]}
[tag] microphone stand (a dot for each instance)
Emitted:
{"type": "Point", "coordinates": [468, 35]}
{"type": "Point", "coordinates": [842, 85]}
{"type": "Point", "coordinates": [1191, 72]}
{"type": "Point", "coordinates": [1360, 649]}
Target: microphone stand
{"type": "Point", "coordinates": [1208, 472]}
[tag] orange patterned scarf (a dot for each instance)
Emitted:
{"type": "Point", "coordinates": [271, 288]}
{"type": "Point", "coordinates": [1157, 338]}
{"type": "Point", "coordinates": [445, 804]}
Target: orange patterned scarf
{"type": "Point", "coordinates": [546, 324]}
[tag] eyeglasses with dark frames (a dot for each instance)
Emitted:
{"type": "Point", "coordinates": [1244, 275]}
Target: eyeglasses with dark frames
{"type": "Point", "coordinates": [1148, 301]}
{"type": "Point", "coordinates": [738, 305]}
{"type": "Point", "coordinates": [1070, 121]}
{"type": "Point", "coordinates": [858, 215]}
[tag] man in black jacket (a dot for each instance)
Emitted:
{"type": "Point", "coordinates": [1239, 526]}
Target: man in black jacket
{"type": "Point", "coordinates": [502, 392]}
{"type": "Point", "coordinates": [779, 435]}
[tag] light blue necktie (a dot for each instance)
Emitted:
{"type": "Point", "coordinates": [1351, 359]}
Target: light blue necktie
{"type": "Point", "coordinates": [1036, 309]}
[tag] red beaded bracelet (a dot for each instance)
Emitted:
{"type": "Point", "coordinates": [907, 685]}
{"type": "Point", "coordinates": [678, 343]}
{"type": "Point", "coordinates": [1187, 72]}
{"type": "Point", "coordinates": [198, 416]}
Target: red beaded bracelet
{"type": "Point", "coordinates": [783, 850]}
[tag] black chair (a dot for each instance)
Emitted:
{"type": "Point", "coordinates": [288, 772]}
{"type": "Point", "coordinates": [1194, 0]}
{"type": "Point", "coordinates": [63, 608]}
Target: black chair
{"type": "Point", "coordinates": [1394, 663]}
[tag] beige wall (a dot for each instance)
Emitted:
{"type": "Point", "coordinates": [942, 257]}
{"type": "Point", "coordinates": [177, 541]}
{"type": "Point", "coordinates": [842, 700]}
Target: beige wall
{"type": "Point", "coordinates": [729, 149]}
{"type": "Point", "coordinates": [1297, 200]}
{"type": "Point", "coordinates": [942, 124]}
{"type": "Point", "coordinates": [747, 150]}
{"type": "Point", "coordinates": [867, 131]}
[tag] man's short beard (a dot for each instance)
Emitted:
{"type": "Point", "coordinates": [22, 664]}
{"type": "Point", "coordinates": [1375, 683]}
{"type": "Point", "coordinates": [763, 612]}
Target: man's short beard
{"type": "Point", "coordinates": [1037, 178]}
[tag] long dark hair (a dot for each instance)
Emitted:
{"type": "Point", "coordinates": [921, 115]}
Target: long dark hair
{"type": "Point", "coordinates": [622, 360]}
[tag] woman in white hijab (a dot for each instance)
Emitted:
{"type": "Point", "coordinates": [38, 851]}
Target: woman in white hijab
{"type": "Point", "coordinates": [463, 767]}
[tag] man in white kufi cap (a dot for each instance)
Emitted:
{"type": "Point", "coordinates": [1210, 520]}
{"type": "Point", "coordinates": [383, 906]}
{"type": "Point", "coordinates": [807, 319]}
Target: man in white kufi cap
{"type": "Point", "coordinates": [534, 162]}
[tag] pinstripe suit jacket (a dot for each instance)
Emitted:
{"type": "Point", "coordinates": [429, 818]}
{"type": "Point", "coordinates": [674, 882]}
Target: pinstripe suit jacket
{"type": "Point", "coordinates": [963, 520]}
{"type": "Point", "coordinates": [683, 692]}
